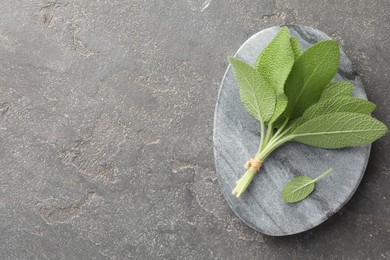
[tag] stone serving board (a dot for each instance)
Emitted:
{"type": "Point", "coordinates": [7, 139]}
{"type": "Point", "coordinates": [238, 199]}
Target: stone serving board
{"type": "Point", "coordinates": [236, 139]}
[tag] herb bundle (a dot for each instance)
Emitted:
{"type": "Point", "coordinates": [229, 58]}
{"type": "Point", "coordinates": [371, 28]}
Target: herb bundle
{"type": "Point", "coordinates": [291, 93]}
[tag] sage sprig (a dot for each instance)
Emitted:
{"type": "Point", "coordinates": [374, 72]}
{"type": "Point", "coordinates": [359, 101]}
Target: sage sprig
{"type": "Point", "coordinates": [291, 94]}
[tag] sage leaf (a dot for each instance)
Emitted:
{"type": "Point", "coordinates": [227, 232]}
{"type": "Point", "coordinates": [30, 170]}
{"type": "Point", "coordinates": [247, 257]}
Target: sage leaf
{"type": "Point", "coordinates": [295, 47]}
{"type": "Point", "coordinates": [258, 97]}
{"type": "Point", "coordinates": [338, 130]}
{"type": "Point", "coordinates": [276, 60]}
{"type": "Point", "coordinates": [281, 104]}
{"type": "Point", "coordinates": [336, 89]}
{"type": "Point", "coordinates": [336, 104]}
{"type": "Point", "coordinates": [300, 187]}
{"type": "Point", "coordinates": [310, 74]}
{"type": "Point", "coordinates": [274, 64]}
{"type": "Point", "coordinates": [339, 104]}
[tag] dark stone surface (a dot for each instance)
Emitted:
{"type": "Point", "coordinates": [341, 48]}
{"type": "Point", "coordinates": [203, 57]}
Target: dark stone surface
{"type": "Point", "coordinates": [106, 123]}
{"type": "Point", "coordinates": [236, 139]}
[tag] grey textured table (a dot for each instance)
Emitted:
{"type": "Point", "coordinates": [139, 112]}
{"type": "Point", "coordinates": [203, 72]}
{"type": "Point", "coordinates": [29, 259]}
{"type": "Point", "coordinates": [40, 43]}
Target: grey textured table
{"type": "Point", "coordinates": [236, 138]}
{"type": "Point", "coordinates": [106, 122]}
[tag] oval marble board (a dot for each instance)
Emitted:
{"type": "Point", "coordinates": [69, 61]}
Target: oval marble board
{"type": "Point", "coordinates": [236, 139]}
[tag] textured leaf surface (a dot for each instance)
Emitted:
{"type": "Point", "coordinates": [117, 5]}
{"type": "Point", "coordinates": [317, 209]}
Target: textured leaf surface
{"type": "Point", "coordinates": [281, 104]}
{"type": "Point", "coordinates": [336, 89]}
{"type": "Point", "coordinates": [339, 104]}
{"type": "Point", "coordinates": [336, 104]}
{"type": "Point", "coordinates": [295, 47]}
{"type": "Point", "coordinates": [338, 130]}
{"type": "Point", "coordinates": [310, 74]}
{"type": "Point", "coordinates": [298, 189]}
{"type": "Point", "coordinates": [257, 96]}
{"type": "Point", "coordinates": [274, 64]}
{"type": "Point", "coordinates": [276, 60]}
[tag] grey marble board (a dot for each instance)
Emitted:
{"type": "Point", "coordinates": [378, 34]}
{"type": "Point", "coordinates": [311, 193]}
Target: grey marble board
{"type": "Point", "coordinates": [236, 139]}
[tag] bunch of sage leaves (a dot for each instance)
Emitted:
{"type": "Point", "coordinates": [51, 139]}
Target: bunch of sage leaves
{"type": "Point", "coordinates": [292, 93]}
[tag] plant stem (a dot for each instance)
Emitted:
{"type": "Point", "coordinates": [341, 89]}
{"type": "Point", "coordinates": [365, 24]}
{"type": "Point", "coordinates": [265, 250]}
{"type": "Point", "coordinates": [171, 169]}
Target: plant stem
{"type": "Point", "coordinates": [262, 133]}
{"type": "Point", "coordinates": [273, 145]}
{"type": "Point", "coordinates": [281, 128]}
{"type": "Point", "coordinates": [267, 145]}
{"type": "Point", "coordinates": [270, 131]}
{"type": "Point", "coordinates": [243, 183]}
{"type": "Point", "coordinates": [323, 175]}
{"type": "Point", "coordinates": [246, 179]}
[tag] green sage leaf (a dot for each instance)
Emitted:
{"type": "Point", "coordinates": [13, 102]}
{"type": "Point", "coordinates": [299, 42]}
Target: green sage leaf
{"type": "Point", "coordinates": [339, 104]}
{"type": "Point", "coordinates": [257, 96]}
{"type": "Point", "coordinates": [338, 130]}
{"type": "Point", "coordinates": [336, 104]}
{"type": "Point", "coordinates": [336, 89]}
{"type": "Point", "coordinates": [295, 47]}
{"type": "Point", "coordinates": [310, 74]}
{"type": "Point", "coordinates": [300, 187]}
{"type": "Point", "coordinates": [276, 60]}
{"type": "Point", "coordinates": [274, 64]}
{"type": "Point", "coordinates": [281, 104]}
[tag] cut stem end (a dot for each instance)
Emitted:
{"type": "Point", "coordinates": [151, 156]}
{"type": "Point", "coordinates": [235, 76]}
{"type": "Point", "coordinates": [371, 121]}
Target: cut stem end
{"type": "Point", "coordinates": [253, 166]}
